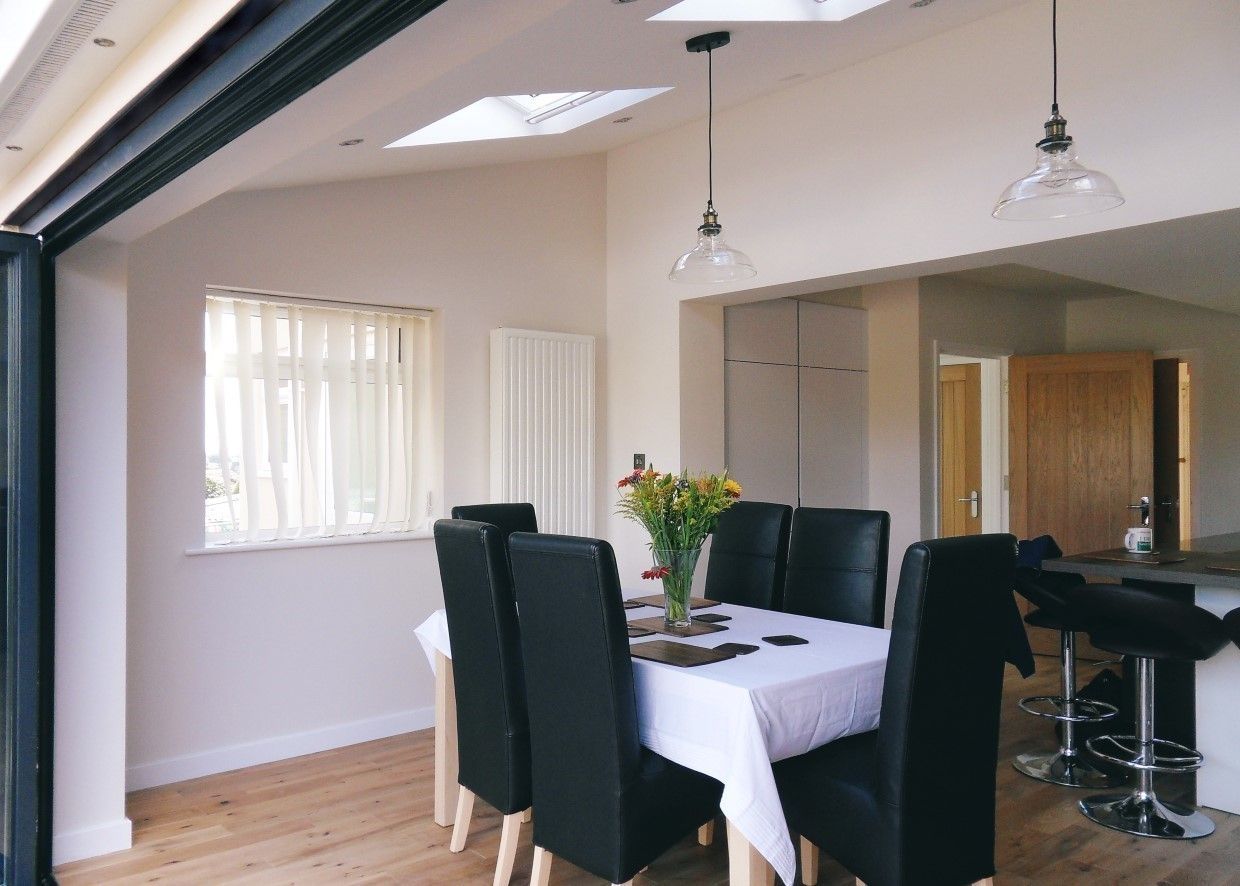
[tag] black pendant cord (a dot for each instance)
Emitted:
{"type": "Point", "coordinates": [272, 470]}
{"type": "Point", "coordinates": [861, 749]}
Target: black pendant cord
{"type": "Point", "coordinates": [1054, 57]}
{"type": "Point", "coordinates": [710, 130]}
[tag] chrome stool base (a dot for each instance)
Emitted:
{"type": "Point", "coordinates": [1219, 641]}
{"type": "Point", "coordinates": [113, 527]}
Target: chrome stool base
{"type": "Point", "coordinates": [1147, 816]}
{"type": "Point", "coordinates": [1074, 771]}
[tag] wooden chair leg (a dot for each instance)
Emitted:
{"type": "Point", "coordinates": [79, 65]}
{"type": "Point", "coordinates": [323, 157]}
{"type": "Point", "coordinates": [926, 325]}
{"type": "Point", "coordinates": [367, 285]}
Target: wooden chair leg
{"type": "Point", "coordinates": [989, 881]}
{"type": "Point", "coordinates": [464, 812]}
{"type": "Point", "coordinates": [706, 833]}
{"type": "Point", "coordinates": [809, 863]}
{"type": "Point", "coordinates": [509, 836]}
{"type": "Point", "coordinates": [527, 816]}
{"type": "Point", "coordinates": [446, 760]}
{"type": "Point", "coordinates": [540, 874]}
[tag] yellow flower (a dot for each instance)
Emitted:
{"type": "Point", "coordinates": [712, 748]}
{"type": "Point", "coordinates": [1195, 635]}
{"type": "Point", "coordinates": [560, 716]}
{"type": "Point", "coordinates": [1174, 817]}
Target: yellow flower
{"type": "Point", "coordinates": [732, 488]}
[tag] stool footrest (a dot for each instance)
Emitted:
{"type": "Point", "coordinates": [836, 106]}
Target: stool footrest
{"type": "Point", "coordinates": [1122, 750]}
{"type": "Point", "coordinates": [1054, 707]}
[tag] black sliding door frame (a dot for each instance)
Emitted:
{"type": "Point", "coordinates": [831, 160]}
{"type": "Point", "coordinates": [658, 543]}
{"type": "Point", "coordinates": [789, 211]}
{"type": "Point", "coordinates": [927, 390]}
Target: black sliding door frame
{"type": "Point", "coordinates": [263, 57]}
{"type": "Point", "coordinates": [27, 585]}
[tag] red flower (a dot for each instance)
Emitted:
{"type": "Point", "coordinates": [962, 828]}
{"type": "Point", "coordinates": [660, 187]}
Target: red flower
{"type": "Point", "coordinates": [657, 572]}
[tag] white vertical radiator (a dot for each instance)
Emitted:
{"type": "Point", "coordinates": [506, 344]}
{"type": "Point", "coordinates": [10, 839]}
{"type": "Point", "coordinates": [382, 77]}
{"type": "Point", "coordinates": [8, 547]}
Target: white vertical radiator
{"type": "Point", "coordinates": [542, 426]}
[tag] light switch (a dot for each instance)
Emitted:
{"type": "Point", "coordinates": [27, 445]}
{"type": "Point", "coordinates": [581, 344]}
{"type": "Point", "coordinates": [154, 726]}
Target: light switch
{"type": "Point", "coordinates": [639, 461]}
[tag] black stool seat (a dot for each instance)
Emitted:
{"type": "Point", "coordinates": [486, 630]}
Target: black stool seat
{"type": "Point", "coordinates": [1147, 624]}
{"type": "Point", "coordinates": [1054, 595]}
{"type": "Point", "coordinates": [1231, 621]}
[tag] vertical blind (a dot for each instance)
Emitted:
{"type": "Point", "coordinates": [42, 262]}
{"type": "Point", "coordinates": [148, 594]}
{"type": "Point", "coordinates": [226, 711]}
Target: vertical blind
{"type": "Point", "coordinates": [317, 420]}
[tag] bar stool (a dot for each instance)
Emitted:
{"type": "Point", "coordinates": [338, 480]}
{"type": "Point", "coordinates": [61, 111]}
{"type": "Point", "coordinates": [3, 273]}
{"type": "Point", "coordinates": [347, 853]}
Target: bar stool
{"type": "Point", "coordinates": [1052, 592]}
{"type": "Point", "coordinates": [1150, 627]}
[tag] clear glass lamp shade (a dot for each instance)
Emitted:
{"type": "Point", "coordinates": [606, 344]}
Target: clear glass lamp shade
{"type": "Point", "coordinates": [712, 261]}
{"type": "Point", "coordinates": [1058, 187]}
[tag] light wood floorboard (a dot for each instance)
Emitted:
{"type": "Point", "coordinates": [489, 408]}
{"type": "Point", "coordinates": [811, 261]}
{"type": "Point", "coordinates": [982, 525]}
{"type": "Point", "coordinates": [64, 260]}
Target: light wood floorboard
{"type": "Point", "coordinates": [363, 814]}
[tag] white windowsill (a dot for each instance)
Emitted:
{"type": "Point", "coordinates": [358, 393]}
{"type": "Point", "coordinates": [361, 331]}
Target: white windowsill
{"type": "Point", "coordinates": [287, 543]}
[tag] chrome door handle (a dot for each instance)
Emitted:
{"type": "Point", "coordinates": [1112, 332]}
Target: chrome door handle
{"type": "Point", "coordinates": [975, 500]}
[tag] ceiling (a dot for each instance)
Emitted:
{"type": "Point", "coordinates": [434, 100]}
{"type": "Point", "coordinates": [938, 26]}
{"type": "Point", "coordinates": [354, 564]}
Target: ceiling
{"type": "Point", "coordinates": [468, 49]}
{"type": "Point", "coordinates": [580, 45]}
{"type": "Point", "coordinates": [1036, 282]}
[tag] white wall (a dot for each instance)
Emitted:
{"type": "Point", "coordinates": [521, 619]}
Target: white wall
{"type": "Point", "coordinates": [236, 658]}
{"type": "Point", "coordinates": [1210, 340]}
{"type": "Point", "coordinates": [88, 803]}
{"type": "Point", "coordinates": [865, 174]}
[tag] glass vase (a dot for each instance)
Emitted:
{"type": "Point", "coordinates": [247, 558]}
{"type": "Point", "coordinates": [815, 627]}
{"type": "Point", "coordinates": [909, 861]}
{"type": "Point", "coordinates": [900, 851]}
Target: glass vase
{"type": "Point", "coordinates": [680, 564]}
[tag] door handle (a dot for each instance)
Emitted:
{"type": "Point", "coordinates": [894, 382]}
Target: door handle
{"type": "Point", "coordinates": [975, 500]}
{"type": "Point", "coordinates": [1144, 507]}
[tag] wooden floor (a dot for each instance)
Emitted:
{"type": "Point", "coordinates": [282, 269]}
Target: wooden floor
{"type": "Point", "coordinates": [363, 815]}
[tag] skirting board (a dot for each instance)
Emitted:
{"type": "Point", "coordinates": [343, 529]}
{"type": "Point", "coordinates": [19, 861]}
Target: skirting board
{"type": "Point", "coordinates": [280, 747]}
{"type": "Point", "coordinates": [89, 842]}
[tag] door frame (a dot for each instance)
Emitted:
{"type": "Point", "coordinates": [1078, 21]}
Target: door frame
{"type": "Point", "coordinates": [258, 61]}
{"type": "Point", "coordinates": [28, 607]}
{"type": "Point", "coordinates": [994, 428]}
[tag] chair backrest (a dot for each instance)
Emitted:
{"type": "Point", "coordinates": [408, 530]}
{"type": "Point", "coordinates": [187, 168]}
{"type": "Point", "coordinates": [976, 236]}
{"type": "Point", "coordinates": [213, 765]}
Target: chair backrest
{"type": "Point", "coordinates": [579, 679]}
{"type": "Point", "coordinates": [938, 734]}
{"type": "Point", "coordinates": [510, 517]}
{"type": "Point", "coordinates": [837, 565]}
{"type": "Point", "coordinates": [492, 722]}
{"type": "Point", "coordinates": [749, 555]}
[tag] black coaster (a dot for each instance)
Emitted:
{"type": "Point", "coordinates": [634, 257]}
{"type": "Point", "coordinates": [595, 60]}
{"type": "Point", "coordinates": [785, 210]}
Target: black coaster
{"type": "Point", "coordinates": [712, 617]}
{"type": "Point", "coordinates": [785, 640]}
{"type": "Point", "coordinates": [737, 648]}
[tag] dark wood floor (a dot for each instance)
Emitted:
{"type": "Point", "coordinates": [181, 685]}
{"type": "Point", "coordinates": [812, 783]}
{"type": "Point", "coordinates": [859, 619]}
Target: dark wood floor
{"type": "Point", "coordinates": [362, 814]}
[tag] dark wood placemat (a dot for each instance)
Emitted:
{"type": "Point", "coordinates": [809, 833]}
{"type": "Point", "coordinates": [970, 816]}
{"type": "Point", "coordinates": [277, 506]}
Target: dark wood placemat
{"type": "Point", "coordinates": [633, 604]}
{"type": "Point", "coordinates": [657, 624]}
{"type": "Point", "coordinates": [1119, 555]}
{"type": "Point", "coordinates": [1224, 566]}
{"type": "Point", "coordinates": [682, 655]}
{"type": "Point", "coordinates": [657, 600]}
{"type": "Point", "coordinates": [635, 631]}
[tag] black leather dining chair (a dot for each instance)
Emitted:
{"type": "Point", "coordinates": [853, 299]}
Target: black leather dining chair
{"type": "Point", "coordinates": [601, 800]}
{"type": "Point", "coordinates": [1232, 621]}
{"type": "Point", "coordinates": [913, 802]}
{"type": "Point", "coordinates": [510, 517]}
{"type": "Point", "coordinates": [493, 733]}
{"type": "Point", "coordinates": [837, 565]}
{"type": "Point", "coordinates": [749, 555]}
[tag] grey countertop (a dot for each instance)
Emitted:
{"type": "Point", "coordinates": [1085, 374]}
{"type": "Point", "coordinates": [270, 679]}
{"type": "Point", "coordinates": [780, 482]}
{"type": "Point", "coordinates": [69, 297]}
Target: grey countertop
{"type": "Point", "coordinates": [1199, 553]}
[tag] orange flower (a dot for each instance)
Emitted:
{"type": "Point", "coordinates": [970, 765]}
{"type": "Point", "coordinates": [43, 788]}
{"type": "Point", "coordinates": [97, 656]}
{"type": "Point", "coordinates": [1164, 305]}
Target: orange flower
{"type": "Point", "coordinates": [732, 488]}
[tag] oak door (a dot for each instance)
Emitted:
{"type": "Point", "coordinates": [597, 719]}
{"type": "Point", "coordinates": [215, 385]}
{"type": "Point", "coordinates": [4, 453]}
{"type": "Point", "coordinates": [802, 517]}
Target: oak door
{"type": "Point", "coordinates": [1081, 450]}
{"type": "Point", "coordinates": [960, 450]}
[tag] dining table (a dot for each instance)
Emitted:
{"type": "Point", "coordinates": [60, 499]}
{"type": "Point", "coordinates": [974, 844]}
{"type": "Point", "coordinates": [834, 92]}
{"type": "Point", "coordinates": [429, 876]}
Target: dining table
{"type": "Point", "coordinates": [729, 719]}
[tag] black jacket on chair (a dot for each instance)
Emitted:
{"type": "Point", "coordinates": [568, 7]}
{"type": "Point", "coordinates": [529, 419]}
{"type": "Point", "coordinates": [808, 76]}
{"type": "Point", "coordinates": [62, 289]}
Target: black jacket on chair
{"type": "Point", "coordinates": [749, 555]}
{"type": "Point", "coordinates": [510, 517]}
{"type": "Point", "coordinates": [493, 733]}
{"type": "Point", "coordinates": [914, 801]}
{"type": "Point", "coordinates": [837, 565]}
{"type": "Point", "coordinates": [601, 800]}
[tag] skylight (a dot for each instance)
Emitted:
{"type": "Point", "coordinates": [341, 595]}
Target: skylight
{"type": "Point", "coordinates": [517, 116]}
{"type": "Point", "coordinates": [765, 10]}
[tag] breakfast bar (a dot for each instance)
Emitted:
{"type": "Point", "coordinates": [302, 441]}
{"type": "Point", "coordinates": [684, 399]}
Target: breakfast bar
{"type": "Point", "coordinates": [1206, 571]}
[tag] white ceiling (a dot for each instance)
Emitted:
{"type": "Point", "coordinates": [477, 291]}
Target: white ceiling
{"type": "Point", "coordinates": [578, 45]}
{"type": "Point", "coordinates": [468, 49]}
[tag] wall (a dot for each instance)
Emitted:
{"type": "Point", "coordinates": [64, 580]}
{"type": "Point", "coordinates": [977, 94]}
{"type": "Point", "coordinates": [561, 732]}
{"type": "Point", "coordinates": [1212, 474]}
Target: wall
{"type": "Point", "coordinates": [1211, 342]}
{"type": "Point", "coordinates": [236, 658]}
{"type": "Point", "coordinates": [875, 172]}
{"type": "Point", "coordinates": [88, 803]}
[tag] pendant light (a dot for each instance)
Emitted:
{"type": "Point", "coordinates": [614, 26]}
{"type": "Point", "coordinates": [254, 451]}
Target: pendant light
{"type": "Point", "coordinates": [1059, 185]}
{"type": "Point", "coordinates": [712, 260]}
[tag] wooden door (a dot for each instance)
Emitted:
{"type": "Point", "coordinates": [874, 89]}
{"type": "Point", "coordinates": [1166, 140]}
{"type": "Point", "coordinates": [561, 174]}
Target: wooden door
{"type": "Point", "coordinates": [1165, 515]}
{"type": "Point", "coordinates": [960, 450]}
{"type": "Point", "coordinates": [1081, 450]}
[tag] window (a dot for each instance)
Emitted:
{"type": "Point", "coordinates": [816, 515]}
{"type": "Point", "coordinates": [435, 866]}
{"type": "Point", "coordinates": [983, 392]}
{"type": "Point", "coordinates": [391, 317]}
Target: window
{"type": "Point", "coordinates": [317, 419]}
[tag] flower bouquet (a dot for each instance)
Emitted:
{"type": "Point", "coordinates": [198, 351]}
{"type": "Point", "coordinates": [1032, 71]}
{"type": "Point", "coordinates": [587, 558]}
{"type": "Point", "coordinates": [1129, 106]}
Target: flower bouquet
{"type": "Point", "coordinates": [679, 511]}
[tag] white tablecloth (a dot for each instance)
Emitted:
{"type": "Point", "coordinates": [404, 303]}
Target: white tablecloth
{"type": "Point", "coordinates": [731, 719]}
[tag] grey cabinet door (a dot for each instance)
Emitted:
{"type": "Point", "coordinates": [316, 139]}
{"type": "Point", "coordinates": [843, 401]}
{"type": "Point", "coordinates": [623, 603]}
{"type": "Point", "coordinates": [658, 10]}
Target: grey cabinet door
{"type": "Point", "coordinates": [761, 429]}
{"type": "Point", "coordinates": [833, 438]}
